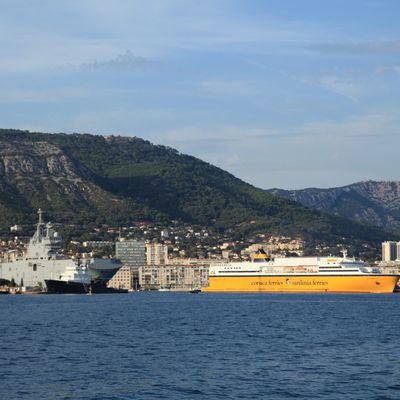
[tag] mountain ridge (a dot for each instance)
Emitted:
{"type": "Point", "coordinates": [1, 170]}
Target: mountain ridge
{"type": "Point", "coordinates": [91, 179]}
{"type": "Point", "coordinates": [370, 202]}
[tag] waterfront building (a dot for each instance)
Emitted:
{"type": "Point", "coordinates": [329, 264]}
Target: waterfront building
{"type": "Point", "coordinates": [156, 254]}
{"type": "Point", "coordinates": [132, 253]}
{"type": "Point", "coordinates": [178, 274]}
{"type": "Point", "coordinates": [389, 267]}
{"type": "Point", "coordinates": [124, 279]}
{"type": "Point", "coordinates": [174, 277]}
{"type": "Point", "coordinates": [390, 251]}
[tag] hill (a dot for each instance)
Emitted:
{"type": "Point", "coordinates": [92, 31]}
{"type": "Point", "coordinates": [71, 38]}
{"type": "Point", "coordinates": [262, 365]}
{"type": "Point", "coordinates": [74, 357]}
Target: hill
{"type": "Point", "coordinates": [375, 203]}
{"type": "Point", "coordinates": [85, 179]}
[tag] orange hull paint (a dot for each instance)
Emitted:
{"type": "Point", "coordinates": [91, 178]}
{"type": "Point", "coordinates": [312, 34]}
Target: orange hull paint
{"type": "Point", "coordinates": [320, 283]}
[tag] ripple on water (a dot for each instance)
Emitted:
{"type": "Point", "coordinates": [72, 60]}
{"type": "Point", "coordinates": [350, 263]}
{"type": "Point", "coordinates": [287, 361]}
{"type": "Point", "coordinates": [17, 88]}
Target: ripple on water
{"type": "Point", "coordinates": [173, 346]}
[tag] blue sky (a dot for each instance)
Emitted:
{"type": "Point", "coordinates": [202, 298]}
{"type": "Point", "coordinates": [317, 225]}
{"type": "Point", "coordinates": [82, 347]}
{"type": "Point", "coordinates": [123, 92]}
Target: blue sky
{"type": "Point", "coordinates": [286, 93]}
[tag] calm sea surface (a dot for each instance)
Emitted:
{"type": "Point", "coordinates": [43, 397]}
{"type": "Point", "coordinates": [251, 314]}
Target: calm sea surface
{"type": "Point", "coordinates": [205, 346]}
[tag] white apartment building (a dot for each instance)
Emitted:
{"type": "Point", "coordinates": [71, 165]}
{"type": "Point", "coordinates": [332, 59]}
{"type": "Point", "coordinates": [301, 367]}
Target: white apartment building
{"type": "Point", "coordinates": [178, 274]}
{"type": "Point", "coordinates": [156, 254]}
{"type": "Point", "coordinates": [390, 251]}
{"type": "Point", "coordinates": [174, 277]}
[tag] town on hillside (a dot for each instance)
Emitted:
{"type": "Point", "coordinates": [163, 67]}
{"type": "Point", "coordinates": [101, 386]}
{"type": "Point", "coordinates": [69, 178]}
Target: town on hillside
{"type": "Point", "coordinates": [178, 256]}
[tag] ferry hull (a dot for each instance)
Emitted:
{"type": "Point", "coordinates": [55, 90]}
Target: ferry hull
{"type": "Point", "coordinates": [315, 283]}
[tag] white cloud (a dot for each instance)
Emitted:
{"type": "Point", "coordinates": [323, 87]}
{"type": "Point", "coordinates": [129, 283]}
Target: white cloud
{"type": "Point", "coordinates": [221, 135]}
{"type": "Point", "coordinates": [54, 55]}
{"type": "Point", "coordinates": [373, 125]}
{"type": "Point", "coordinates": [121, 120]}
{"type": "Point", "coordinates": [126, 60]}
{"type": "Point", "coordinates": [64, 94]}
{"type": "Point", "coordinates": [349, 87]}
{"type": "Point", "coordinates": [238, 88]}
{"type": "Point", "coordinates": [385, 69]}
{"type": "Point", "coordinates": [44, 95]}
{"type": "Point", "coordinates": [225, 161]}
{"type": "Point", "coordinates": [357, 48]}
{"type": "Point", "coordinates": [50, 36]}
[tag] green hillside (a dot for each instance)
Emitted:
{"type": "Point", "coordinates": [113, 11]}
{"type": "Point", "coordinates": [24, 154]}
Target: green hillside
{"type": "Point", "coordinates": [86, 179]}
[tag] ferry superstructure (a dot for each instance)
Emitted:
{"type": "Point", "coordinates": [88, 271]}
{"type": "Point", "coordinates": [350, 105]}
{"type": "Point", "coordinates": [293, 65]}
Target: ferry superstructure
{"type": "Point", "coordinates": [300, 274]}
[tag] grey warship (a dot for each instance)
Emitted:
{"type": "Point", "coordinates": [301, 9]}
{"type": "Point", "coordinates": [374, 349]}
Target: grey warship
{"type": "Point", "coordinates": [42, 265]}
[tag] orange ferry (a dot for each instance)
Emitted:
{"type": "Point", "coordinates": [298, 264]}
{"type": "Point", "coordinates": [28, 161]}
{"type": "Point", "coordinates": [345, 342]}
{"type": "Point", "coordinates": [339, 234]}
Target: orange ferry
{"type": "Point", "coordinates": [300, 274]}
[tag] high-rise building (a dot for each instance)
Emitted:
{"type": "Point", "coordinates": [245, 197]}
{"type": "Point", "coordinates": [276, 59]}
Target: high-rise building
{"type": "Point", "coordinates": [390, 251]}
{"type": "Point", "coordinates": [156, 254]}
{"type": "Point", "coordinates": [132, 253]}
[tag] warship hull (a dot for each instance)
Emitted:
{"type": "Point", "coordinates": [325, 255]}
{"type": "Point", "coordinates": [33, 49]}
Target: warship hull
{"type": "Point", "coordinates": [63, 287]}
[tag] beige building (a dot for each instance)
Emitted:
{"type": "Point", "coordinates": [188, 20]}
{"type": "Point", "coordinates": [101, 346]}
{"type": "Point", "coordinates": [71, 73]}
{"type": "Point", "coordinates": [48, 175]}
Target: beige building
{"type": "Point", "coordinates": [124, 279]}
{"type": "Point", "coordinates": [178, 274]}
{"type": "Point", "coordinates": [156, 254]}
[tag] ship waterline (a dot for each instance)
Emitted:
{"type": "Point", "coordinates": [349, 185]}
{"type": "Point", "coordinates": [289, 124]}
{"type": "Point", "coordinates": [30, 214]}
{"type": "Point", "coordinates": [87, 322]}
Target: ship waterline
{"type": "Point", "coordinates": [300, 283]}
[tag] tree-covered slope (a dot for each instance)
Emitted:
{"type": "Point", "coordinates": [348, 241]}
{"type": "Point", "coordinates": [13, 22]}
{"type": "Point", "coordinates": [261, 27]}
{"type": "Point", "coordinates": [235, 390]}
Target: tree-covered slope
{"type": "Point", "coordinates": [116, 180]}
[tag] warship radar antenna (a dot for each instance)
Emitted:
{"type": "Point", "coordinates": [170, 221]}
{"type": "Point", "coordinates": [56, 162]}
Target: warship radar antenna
{"type": "Point", "coordinates": [40, 212]}
{"type": "Point", "coordinates": [39, 225]}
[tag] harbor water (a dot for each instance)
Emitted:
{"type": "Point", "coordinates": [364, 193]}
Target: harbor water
{"type": "Point", "coordinates": [200, 346]}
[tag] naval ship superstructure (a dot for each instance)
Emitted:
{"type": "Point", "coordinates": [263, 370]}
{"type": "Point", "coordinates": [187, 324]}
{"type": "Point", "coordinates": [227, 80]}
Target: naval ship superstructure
{"type": "Point", "coordinates": [42, 261]}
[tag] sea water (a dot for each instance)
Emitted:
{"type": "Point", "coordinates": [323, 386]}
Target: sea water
{"type": "Point", "coordinates": [204, 346]}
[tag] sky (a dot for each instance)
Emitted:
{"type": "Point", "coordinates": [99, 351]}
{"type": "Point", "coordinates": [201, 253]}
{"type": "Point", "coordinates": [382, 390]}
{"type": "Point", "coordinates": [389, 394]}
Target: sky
{"type": "Point", "coordinates": [281, 93]}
